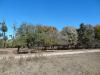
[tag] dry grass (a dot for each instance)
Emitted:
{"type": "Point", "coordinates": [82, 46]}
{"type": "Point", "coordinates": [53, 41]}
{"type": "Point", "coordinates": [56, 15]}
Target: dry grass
{"type": "Point", "coordinates": [79, 64]}
{"type": "Point", "coordinates": [4, 52]}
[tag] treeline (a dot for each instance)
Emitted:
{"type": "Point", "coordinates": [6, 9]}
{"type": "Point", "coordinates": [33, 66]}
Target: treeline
{"type": "Point", "coordinates": [48, 37]}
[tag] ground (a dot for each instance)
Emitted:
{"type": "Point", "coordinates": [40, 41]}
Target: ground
{"type": "Point", "coordinates": [74, 64]}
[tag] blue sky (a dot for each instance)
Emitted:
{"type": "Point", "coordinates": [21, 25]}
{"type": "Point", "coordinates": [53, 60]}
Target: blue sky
{"type": "Point", "coordinates": [58, 13]}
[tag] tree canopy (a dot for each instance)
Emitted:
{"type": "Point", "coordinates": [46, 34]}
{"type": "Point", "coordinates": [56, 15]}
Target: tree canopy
{"type": "Point", "coordinates": [29, 35]}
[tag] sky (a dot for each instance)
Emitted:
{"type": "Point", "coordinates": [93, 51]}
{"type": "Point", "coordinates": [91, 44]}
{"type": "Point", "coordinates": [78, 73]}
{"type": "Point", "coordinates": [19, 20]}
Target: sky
{"type": "Point", "coordinates": [57, 13]}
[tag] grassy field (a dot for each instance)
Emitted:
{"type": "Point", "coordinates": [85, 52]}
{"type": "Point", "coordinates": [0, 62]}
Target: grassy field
{"type": "Point", "coordinates": [76, 64]}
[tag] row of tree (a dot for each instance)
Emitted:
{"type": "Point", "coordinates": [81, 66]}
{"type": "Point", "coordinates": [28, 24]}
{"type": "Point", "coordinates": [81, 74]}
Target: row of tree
{"type": "Point", "coordinates": [86, 36]}
{"type": "Point", "coordinates": [28, 35]}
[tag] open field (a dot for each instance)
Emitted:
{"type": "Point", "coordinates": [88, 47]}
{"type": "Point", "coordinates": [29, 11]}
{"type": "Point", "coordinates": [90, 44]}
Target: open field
{"type": "Point", "coordinates": [74, 64]}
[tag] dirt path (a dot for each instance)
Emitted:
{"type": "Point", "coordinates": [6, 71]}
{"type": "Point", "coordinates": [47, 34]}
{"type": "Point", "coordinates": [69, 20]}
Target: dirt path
{"type": "Point", "coordinates": [48, 54]}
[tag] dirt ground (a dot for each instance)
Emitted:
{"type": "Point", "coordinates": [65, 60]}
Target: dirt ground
{"type": "Point", "coordinates": [76, 64]}
{"type": "Point", "coordinates": [10, 51]}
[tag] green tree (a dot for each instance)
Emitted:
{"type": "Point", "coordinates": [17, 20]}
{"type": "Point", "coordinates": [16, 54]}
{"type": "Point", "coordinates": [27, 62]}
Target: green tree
{"type": "Point", "coordinates": [4, 30]}
{"type": "Point", "coordinates": [97, 35]}
{"type": "Point", "coordinates": [86, 35]}
{"type": "Point", "coordinates": [25, 34]}
{"type": "Point", "coordinates": [38, 35]}
{"type": "Point", "coordinates": [46, 34]}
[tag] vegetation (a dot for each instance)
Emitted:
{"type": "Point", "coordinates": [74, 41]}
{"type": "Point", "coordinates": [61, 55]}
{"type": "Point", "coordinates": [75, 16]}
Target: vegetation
{"type": "Point", "coordinates": [4, 30]}
{"type": "Point", "coordinates": [31, 36]}
{"type": "Point", "coordinates": [97, 35]}
{"type": "Point", "coordinates": [71, 35]}
{"type": "Point", "coordinates": [86, 35]}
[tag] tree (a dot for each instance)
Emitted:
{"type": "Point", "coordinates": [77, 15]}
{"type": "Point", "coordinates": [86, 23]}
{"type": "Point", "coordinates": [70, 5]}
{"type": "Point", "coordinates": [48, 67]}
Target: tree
{"type": "Point", "coordinates": [24, 32]}
{"type": "Point", "coordinates": [86, 35]}
{"type": "Point", "coordinates": [97, 34]}
{"type": "Point", "coordinates": [14, 35]}
{"type": "Point", "coordinates": [47, 34]}
{"type": "Point", "coordinates": [4, 30]}
{"type": "Point", "coordinates": [38, 35]}
{"type": "Point", "coordinates": [70, 35]}
{"type": "Point", "coordinates": [1, 40]}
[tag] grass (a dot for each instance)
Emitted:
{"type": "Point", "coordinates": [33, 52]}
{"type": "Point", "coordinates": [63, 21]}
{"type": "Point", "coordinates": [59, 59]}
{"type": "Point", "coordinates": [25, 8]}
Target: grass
{"type": "Point", "coordinates": [79, 64]}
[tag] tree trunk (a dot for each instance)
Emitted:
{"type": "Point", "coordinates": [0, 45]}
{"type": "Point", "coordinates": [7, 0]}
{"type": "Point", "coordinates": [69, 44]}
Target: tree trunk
{"type": "Point", "coordinates": [4, 41]}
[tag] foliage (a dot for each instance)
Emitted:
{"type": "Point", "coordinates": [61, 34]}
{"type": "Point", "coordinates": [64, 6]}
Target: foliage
{"type": "Point", "coordinates": [37, 35]}
{"type": "Point", "coordinates": [1, 43]}
{"type": "Point", "coordinates": [97, 34]}
{"type": "Point", "coordinates": [4, 30]}
{"type": "Point", "coordinates": [70, 35]}
{"type": "Point", "coordinates": [4, 27]}
{"type": "Point", "coordinates": [29, 35]}
{"type": "Point", "coordinates": [86, 35]}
